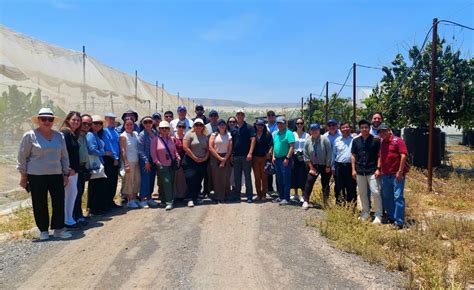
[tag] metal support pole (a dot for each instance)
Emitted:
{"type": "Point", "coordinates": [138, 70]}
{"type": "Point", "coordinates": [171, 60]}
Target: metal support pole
{"type": "Point", "coordinates": [302, 107]}
{"type": "Point", "coordinates": [354, 95]}
{"type": "Point", "coordinates": [434, 44]}
{"type": "Point", "coordinates": [156, 96]}
{"type": "Point", "coordinates": [162, 104]}
{"type": "Point", "coordinates": [136, 88]}
{"type": "Point", "coordinates": [84, 94]}
{"type": "Point", "coordinates": [327, 102]}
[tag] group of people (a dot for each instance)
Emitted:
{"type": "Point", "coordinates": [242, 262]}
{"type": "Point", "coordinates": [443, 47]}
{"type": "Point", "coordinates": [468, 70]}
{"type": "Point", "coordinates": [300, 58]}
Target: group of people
{"type": "Point", "coordinates": [190, 159]}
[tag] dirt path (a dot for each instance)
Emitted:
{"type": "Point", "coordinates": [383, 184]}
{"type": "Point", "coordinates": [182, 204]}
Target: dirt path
{"type": "Point", "coordinates": [231, 246]}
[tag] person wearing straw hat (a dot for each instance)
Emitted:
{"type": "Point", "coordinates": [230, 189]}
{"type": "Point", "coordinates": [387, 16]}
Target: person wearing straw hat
{"type": "Point", "coordinates": [43, 163]}
{"type": "Point", "coordinates": [147, 166]}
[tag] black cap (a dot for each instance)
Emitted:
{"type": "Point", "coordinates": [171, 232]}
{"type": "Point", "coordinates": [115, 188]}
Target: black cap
{"type": "Point", "coordinates": [199, 107]}
{"type": "Point", "coordinates": [156, 116]}
{"type": "Point", "coordinates": [213, 113]}
{"type": "Point", "coordinates": [383, 126]}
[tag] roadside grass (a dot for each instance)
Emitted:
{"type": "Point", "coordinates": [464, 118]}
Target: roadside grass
{"type": "Point", "coordinates": [435, 250]}
{"type": "Point", "coordinates": [18, 224]}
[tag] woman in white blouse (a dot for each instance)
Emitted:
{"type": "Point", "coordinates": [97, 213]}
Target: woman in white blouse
{"type": "Point", "coordinates": [300, 170]}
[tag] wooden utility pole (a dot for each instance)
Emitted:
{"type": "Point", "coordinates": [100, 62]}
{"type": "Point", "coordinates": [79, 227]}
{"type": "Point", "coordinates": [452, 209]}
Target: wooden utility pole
{"type": "Point", "coordinates": [434, 44]}
{"type": "Point", "coordinates": [327, 102]}
{"type": "Point", "coordinates": [354, 95]}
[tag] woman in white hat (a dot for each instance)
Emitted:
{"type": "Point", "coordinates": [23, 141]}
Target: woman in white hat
{"type": "Point", "coordinates": [164, 154]}
{"type": "Point", "coordinates": [43, 163]}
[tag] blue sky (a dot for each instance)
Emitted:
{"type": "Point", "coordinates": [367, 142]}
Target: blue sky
{"type": "Point", "coordinates": [256, 51]}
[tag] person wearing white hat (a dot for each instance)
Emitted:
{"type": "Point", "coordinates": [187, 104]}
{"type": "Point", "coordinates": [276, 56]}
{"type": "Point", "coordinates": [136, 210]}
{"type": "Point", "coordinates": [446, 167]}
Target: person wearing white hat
{"type": "Point", "coordinates": [43, 163]}
{"type": "Point", "coordinates": [164, 154]}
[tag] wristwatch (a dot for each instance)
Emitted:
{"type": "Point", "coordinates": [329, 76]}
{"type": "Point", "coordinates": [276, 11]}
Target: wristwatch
{"type": "Point", "coordinates": [287, 158]}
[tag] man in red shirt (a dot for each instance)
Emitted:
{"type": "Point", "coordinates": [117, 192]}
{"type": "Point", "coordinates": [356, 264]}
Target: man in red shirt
{"type": "Point", "coordinates": [392, 162]}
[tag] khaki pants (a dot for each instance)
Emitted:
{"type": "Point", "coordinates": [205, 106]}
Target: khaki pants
{"type": "Point", "coordinates": [131, 180]}
{"type": "Point", "coordinates": [364, 181]}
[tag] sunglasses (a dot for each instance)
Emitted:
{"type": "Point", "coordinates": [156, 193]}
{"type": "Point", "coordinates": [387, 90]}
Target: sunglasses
{"type": "Point", "coordinates": [164, 128]}
{"type": "Point", "coordinates": [168, 116]}
{"type": "Point", "coordinates": [259, 125]}
{"type": "Point", "coordinates": [86, 124]}
{"type": "Point", "coordinates": [231, 122]}
{"type": "Point", "coordinates": [183, 127]}
{"type": "Point", "coordinates": [299, 123]}
{"type": "Point", "coordinates": [331, 125]}
{"type": "Point", "coordinates": [46, 119]}
{"type": "Point", "coordinates": [147, 122]}
{"type": "Point", "coordinates": [97, 123]}
{"type": "Point", "coordinates": [270, 115]}
{"type": "Point", "coordinates": [199, 125]}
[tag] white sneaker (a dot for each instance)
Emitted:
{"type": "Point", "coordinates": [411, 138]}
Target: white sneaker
{"type": "Point", "coordinates": [283, 202]}
{"type": "Point", "coordinates": [305, 205]}
{"type": "Point", "coordinates": [44, 235]}
{"type": "Point", "coordinates": [295, 197]}
{"type": "Point", "coordinates": [62, 234]}
{"type": "Point", "coordinates": [301, 199]}
{"type": "Point", "coordinates": [377, 220]}
{"type": "Point", "coordinates": [364, 217]}
{"type": "Point", "coordinates": [170, 206]}
{"type": "Point", "coordinates": [190, 203]}
{"type": "Point", "coordinates": [152, 203]}
{"type": "Point", "coordinates": [132, 204]}
{"type": "Point", "coordinates": [144, 204]}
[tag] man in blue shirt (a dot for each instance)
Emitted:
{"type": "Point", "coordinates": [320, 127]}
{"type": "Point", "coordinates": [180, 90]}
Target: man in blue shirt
{"type": "Point", "coordinates": [111, 162]}
{"type": "Point", "coordinates": [341, 166]}
{"type": "Point", "coordinates": [272, 128]}
{"type": "Point", "coordinates": [332, 131]}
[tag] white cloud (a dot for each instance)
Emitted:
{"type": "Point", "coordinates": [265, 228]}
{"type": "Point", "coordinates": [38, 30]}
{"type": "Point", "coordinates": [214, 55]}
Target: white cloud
{"type": "Point", "coordinates": [232, 29]}
{"type": "Point", "coordinates": [63, 4]}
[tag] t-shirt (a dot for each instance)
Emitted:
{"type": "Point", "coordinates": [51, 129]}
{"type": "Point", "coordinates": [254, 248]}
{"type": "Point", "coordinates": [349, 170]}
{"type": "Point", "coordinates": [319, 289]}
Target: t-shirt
{"type": "Point", "coordinates": [390, 157]}
{"type": "Point", "coordinates": [197, 144]}
{"type": "Point", "coordinates": [281, 143]}
{"type": "Point", "coordinates": [263, 144]}
{"type": "Point", "coordinates": [241, 137]}
{"type": "Point", "coordinates": [221, 142]}
{"type": "Point", "coordinates": [366, 154]}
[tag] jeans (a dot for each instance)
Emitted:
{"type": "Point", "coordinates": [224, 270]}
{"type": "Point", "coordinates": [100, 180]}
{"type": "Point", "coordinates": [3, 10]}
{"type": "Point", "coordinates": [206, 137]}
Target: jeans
{"type": "Point", "coordinates": [241, 164]}
{"type": "Point", "coordinates": [393, 199]}
{"type": "Point", "coordinates": [147, 180]}
{"type": "Point", "coordinates": [112, 172]}
{"type": "Point", "coordinates": [194, 174]}
{"type": "Point", "coordinates": [363, 182]}
{"type": "Point", "coordinates": [283, 175]}
{"type": "Point", "coordinates": [39, 186]}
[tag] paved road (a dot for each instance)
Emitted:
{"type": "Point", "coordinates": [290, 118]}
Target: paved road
{"type": "Point", "coordinates": [231, 246]}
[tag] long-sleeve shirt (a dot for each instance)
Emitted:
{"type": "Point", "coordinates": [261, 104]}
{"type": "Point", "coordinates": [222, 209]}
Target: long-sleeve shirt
{"type": "Point", "coordinates": [95, 145]}
{"type": "Point", "coordinates": [72, 146]}
{"type": "Point", "coordinates": [83, 151]}
{"type": "Point", "coordinates": [144, 145]}
{"type": "Point", "coordinates": [332, 137]}
{"type": "Point", "coordinates": [111, 141]}
{"type": "Point", "coordinates": [159, 152]}
{"type": "Point", "coordinates": [318, 151]}
{"type": "Point", "coordinates": [39, 156]}
{"type": "Point", "coordinates": [341, 151]}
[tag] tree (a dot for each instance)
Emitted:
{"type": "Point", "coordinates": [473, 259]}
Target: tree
{"type": "Point", "coordinates": [339, 108]}
{"type": "Point", "coordinates": [409, 105]}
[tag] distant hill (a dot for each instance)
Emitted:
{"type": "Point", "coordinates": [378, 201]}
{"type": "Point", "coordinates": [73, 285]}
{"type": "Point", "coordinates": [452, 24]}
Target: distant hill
{"type": "Point", "coordinates": [212, 103]}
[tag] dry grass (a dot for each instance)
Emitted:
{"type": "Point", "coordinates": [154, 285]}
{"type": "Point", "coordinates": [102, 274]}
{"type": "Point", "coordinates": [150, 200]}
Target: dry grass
{"type": "Point", "coordinates": [437, 248]}
{"type": "Point", "coordinates": [19, 223]}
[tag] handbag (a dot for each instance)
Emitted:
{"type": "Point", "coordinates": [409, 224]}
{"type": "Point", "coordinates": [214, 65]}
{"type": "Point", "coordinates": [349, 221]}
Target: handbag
{"type": "Point", "coordinates": [96, 168]}
{"type": "Point", "coordinates": [174, 162]}
{"type": "Point", "coordinates": [269, 168]}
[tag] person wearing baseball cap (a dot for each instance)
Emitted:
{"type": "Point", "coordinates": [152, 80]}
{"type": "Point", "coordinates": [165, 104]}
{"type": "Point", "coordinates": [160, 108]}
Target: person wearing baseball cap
{"type": "Point", "coordinates": [129, 114]}
{"type": "Point", "coordinates": [111, 162]}
{"type": "Point", "coordinates": [156, 120]}
{"type": "Point", "coordinates": [283, 146]}
{"type": "Point", "coordinates": [332, 131]}
{"type": "Point", "coordinates": [199, 110]}
{"type": "Point", "coordinates": [182, 111]}
{"type": "Point", "coordinates": [243, 143]}
{"type": "Point", "coordinates": [317, 154]}
{"type": "Point", "coordinates": [212, 123]}
{"type": "Point", "coordinates": [393, 169]}
{"type": "Point", "coordinates": [261, 154]}
{"type": "Point", "coordinates": [147, 166]}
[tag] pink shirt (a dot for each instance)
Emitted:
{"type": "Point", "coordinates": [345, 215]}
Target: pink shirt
{"type": "Point", "coordinates": [159, 152]}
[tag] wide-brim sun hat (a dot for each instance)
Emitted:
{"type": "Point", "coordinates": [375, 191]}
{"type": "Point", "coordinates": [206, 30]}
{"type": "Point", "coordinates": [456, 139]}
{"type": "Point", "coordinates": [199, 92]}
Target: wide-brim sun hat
{"type": "Point", "coordinates": [45, 112]}
{"type": "Point", "coordinates": [97, 118]}
{"type": "Point", "coordinates": [164, 124]}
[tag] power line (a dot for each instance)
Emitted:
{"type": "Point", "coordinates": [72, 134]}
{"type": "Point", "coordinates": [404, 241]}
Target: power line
{"type": "Point", "coordinates": [368, 66]}
{"type": "Point", "coordinates": [347, 77]}
{"type": "Point", "coordinates": [350, 85]}
{"type": "Point", "coordinates": [455, 23]}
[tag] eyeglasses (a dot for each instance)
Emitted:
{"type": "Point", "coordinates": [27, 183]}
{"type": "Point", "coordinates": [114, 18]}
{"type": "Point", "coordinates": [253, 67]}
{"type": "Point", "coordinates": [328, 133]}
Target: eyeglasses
{"type": "Point", "coordinates": [147, 122]}
{"type": "Point", "coordinates": [97, 123]}
{"type": "Point", "coordinates": [86, 124]}
{"type": "Point", "coordinates": [299, 123]}
{"type": "Point", "coordinates": [46, 119]}
{"type": "Point", "coordinates": [182, 127]}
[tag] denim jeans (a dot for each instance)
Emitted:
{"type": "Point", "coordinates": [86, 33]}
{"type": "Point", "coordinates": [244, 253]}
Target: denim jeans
{"type": "Point", "coordinates": [241, 164]}
{"type": "Point", "coordinates": [147, 181]}
{"type": "Point", "coordinates": [283, 176]}
{"type": "Point", "coordinates": [392, 198]}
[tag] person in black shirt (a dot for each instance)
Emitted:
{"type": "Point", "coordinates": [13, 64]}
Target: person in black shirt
{"type": "Point", "coordinates": [199, 110]}
{"type": "Point", "coordinates": [243, 141]}
{"type": "Point", "coordinates": [365, 155]}
{"type": "Point", "coordinates": [262, 152]}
